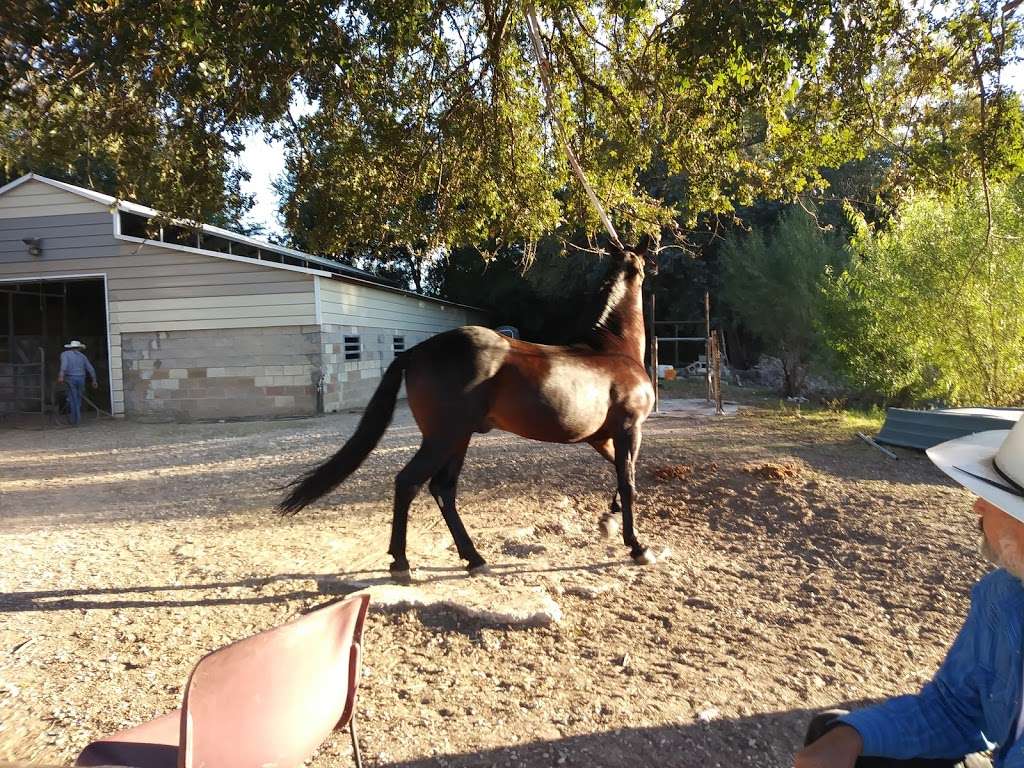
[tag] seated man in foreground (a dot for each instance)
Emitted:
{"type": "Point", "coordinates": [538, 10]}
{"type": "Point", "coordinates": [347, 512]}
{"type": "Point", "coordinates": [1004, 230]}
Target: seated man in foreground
{"type": "Point", "coordinates": [974, 701]}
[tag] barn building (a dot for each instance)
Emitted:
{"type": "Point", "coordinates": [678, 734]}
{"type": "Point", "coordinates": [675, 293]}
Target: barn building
{"type": "Point", "coordinates": [190, 324]}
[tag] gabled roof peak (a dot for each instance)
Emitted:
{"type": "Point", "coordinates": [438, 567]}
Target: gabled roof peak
{"type": "Point", "coordinates": [317, 265]}
{"type": "Point", "coordinates": [127, 206]}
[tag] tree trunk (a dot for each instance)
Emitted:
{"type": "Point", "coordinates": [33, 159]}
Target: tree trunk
{"type": "Point", "coordinates": [417, 274]}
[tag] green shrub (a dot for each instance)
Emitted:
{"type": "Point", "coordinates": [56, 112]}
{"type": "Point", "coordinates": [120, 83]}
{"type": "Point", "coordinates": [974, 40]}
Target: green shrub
{"type": "Point", "coordinates": [932, 307]}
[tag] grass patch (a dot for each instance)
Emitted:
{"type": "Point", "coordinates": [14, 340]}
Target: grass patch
{"type": "Point", "coordinates": [769, 404]}
{"type": "Point", "coordinates": [868, 420]}
{"type": "Point", "coordinates": [864, 420]}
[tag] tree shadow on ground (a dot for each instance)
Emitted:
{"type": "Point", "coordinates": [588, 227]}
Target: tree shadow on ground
{"type": "Point", "coordinates": [855, 460]}
{"type": "Point", "coordinates": [159, 485]}
{"type": "Point", "coordinates": [769, 740]}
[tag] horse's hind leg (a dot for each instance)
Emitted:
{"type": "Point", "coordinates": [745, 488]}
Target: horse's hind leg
{"type": "Point", "coordinates": [443, 488]}
{"type": "Point", "coordinates": [431, 456]}
{"type": "Point", "coordinates": [609, 522]}
{"type": "Point", "coordinates": [627, 446]}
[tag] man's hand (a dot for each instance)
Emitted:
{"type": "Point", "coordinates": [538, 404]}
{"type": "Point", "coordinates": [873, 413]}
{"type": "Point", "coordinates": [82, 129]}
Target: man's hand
{"type": "Point", "coordinates": [839, 748]}
{"type": "Point", "coordinates": [95, 384]}
{"type": "Point", "coordinates": [60, 379]}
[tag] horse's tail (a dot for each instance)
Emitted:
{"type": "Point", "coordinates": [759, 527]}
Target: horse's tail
{"type": "Point", "coordinates": [376, 418]}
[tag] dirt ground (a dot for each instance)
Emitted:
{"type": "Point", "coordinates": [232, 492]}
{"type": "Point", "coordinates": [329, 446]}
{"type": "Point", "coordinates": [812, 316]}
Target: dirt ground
{"type": "Point", "coordinates": [807, 570]}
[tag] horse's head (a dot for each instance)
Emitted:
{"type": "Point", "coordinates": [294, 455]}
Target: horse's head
{"type": "Point", "coordinates": [637, 260]}
{"type": "Point", "coordinates": [621, 295]}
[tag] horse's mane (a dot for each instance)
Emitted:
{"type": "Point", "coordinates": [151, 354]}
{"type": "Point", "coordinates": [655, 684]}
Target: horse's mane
{"type": "Point", "coordinates": [610, 296]}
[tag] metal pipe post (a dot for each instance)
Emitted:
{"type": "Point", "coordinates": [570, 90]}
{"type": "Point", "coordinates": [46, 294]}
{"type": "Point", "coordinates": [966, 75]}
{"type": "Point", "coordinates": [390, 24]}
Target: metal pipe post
{"type": "Point", "coordinates": [707, 344]}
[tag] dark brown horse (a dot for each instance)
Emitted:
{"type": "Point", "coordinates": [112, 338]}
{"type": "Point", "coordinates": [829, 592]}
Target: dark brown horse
{"type": "Point", "coordinates": [475, 380]}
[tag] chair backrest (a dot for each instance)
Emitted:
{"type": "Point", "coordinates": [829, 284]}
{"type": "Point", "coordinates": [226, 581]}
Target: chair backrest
{"type": "Point", "coordinates": [271, 699]}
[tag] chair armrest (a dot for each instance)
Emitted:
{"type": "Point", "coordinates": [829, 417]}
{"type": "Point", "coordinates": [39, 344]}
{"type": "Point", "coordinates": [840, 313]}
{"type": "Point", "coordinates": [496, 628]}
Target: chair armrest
{"type": "Point", "coordinates": [355, 674]}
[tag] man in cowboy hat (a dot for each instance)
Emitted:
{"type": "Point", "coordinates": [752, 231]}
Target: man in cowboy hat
{"type": "Point", "coordinates": [973, 703]}
{"type": "Point", "coordinates": [73, 367]}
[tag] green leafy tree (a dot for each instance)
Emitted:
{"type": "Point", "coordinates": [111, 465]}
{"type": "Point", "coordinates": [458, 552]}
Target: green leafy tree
{"type": "Point", "coordinates": [150, 100]}
{"type": "Point", "coordinates": [553, 297]}
{"type": "Point", "coordinates": [429, 130]}
{"type": "Point", "coordinates": [933, 305]}
{"type": "Point", "coordinates": [434, 133]}
{"type": "Point", "coordinates": [772, 280]}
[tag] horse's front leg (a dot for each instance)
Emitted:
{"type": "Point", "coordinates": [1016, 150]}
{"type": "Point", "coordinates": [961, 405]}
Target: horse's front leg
{"type": "Point", "coordinates": [627, 447]}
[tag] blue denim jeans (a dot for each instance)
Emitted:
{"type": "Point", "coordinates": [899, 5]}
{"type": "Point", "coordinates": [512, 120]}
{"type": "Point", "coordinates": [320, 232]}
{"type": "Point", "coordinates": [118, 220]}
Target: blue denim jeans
{"type": "Point", "coordinates": [76, 386]}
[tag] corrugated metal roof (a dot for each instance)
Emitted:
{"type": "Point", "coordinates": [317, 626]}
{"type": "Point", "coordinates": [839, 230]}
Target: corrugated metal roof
{"type": "Point", "coordinates": [910, 428]}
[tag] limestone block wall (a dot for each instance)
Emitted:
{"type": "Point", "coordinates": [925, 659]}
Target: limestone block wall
{"type": "Point", "coordinates": [226, 373]}
{"type": "Point", "coordinates": [351, 383]}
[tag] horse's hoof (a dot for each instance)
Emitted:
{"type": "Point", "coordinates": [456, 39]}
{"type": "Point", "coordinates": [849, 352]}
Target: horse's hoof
{"type": "Point", "coordinates": [402, 577]}
{"type": "Point", "coordinates": [645, 557]}
{"type": "Point", "coordinates": [482, 569]}
{"type": "Point", "coordinates": [609, 526]}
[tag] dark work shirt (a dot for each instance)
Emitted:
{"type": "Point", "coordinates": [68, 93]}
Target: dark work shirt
{"type": "Point", "coordinates": [74, 363]}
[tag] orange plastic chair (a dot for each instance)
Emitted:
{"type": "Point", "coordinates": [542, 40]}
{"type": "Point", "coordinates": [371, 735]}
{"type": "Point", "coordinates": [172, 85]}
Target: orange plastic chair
{"type": "Point", "coordinates": [268, 700]}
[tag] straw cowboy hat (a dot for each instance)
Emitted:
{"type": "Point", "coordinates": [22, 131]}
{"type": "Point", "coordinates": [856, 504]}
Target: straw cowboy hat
{"type": "Point", "coordinates": [76, 344]}
{"type": "Point", "coordinates": [989, 464]}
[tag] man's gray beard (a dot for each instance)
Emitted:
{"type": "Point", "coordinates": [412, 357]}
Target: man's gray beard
{"type": "Point", "coordinates": [1007, 560]}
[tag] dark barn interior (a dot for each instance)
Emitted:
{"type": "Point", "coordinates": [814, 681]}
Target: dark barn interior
{"type": "Point", "coordinates": [37, 318]}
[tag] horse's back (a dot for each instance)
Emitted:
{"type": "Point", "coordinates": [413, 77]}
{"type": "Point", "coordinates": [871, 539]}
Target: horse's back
{"type": "Point", "coordinates": [472, 379]}
{"type": "Point", "coordinates": [447, 376]}
{"type": "Point", "coordinates": [463, 356]}
{"type": "Point", "coordinates": [567, 394]}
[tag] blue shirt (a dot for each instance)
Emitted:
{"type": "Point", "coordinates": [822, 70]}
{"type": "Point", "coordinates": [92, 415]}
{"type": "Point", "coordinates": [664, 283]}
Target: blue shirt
{"type": "Point", "coordinates": [74, 363]}
{"type": "Point", "coordinates": [974, 699]}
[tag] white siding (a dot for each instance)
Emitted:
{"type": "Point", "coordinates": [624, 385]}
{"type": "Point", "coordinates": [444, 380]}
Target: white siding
{"type": "Point", "coordinates": [33, 198]}
{"type": "Point", "coordinates": [149, 287]}
{"type": "Point", "coordinates": [258, 310]}
{"type": "Point", "coordinates": [155, 288]}
{"type": "Point", "coordinates": [116, 374]}
{"type": "Point", "coordinates": [352, 304]}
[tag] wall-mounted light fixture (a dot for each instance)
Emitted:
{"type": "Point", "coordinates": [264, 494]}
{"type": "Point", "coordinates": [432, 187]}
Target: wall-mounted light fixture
{"type": "Point", "coordinates": [34, 246]}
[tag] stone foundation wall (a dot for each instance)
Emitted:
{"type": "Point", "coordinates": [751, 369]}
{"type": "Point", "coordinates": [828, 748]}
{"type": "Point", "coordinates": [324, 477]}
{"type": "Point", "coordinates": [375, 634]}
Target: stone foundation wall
{"type": "Point", "coordinates": [351, 383]}
{"type": "Point", "coordinates": [254, 372]}
{"type": "Point", "coordinates": [216, 374]}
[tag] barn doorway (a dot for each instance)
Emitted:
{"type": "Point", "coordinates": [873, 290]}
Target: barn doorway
{"type": "Point", "coordinates": [37, 318]}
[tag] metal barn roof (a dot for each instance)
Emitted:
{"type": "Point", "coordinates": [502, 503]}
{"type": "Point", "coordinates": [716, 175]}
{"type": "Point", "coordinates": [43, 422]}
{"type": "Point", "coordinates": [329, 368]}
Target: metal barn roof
{"type": "Point", "coordinates": [908, 428]}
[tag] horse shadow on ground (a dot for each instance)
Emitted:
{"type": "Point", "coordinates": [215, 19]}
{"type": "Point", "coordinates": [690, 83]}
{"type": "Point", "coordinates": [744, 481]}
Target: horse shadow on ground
{"type": "Point", "coordinates": [427, 574]}
{"type": "Point", "coordinates": [328, 586]}
{"type": "Point", "coordinates": [767, 740]}
{"type": "Point", "coordinates": [92, 597]}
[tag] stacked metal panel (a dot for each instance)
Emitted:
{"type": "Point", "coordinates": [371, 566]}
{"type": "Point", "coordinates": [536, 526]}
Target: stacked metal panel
{"type": "Point", "coordinates": [909, 428]}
